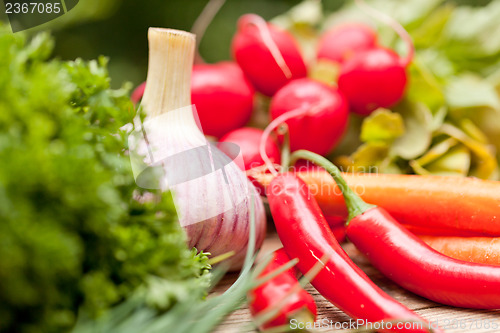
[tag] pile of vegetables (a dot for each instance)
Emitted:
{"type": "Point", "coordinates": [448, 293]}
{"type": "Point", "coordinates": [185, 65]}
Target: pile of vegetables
{"type": "Point", "coordinates": [445, 211]}
{"type": "Point", "coordinates": [74, 238]}
{"type": "Point", "coordinates": [415, 102]}
{"type": "Point", "coordinates": [371, 99]}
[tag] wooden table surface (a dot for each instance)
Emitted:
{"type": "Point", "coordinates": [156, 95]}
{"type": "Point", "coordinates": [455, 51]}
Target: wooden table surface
{"type": "Point", "coordinates": [449, 318]}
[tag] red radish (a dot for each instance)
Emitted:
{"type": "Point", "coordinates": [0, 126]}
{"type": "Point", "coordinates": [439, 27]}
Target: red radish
{"type": "Point", "coordinates": [138, 92]}
{"type": "Point", "coordinates": [269, 56]}
{"type": "Point", "coordinates": [248, 139]}
{"type": "Point", "coordinates": [342, 42]}
{"type": "Point", "coordinates": [223, 97]}
{"type": "Point", "coordinates": [222, 94]}
{"type": "Point", "coordinates": [376, 77]}
{"type": "Point", "coordinates": [323, 121]}
{"type": "Point", "coordinates": [373, 78]}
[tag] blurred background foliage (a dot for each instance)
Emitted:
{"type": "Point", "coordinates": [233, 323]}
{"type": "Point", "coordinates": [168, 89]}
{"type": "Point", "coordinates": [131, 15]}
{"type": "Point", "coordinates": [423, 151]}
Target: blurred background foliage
{"type": "Point", "coordinates": [118, 29]}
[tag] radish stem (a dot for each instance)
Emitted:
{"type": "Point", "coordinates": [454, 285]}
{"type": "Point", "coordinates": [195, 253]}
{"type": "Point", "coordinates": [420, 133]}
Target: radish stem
{"type": "Point", "coordinates": [395, 25]}
{"type": "Point", "coordinates": [265, 136]}
{"type": "Point", "coordinates": [285, 147]}
{"type": "Point", "coordinates": [268, 41]}
{"type": "Point", "coordinates": [202, 22]}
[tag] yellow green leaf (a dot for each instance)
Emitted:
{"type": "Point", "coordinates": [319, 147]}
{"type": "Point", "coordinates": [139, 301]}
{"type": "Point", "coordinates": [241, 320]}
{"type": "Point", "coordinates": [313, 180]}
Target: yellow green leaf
{"type": "Point", "coordinates": [418, 124]}
{"type": "Point", "coordinates": [382, 126]}
{"type": "Point", "coordinates": [485, 165]}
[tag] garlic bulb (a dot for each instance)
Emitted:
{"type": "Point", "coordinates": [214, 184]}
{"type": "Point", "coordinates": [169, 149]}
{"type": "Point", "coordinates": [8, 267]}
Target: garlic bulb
{"type": "Point", "coordinates": [211, 194]}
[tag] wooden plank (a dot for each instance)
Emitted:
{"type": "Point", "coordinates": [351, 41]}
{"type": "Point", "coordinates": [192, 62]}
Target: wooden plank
{"type": "Point", "coordinates": [454, 320]}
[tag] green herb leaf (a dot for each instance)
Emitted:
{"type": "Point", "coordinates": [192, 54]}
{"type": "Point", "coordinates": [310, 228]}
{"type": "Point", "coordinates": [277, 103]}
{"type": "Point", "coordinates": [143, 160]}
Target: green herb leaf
{"type": "Point", "coordinates": [474, 31]}
{"type": "Point", "coordinates": [418, 123]}
{"type": "Point", "coordinates": [485, 164]}
{"type": "Point", "coordinates": [424, 86]}
{"type": "Point", "coordinates": [382, 126]}
{"type": "Point", "coordinates": [74, 235]}
{"type": "Point", "coordinates": [469, 91]}
{"type": "Point", "coordinates": [455, 162]}
{"type": "Point", "coordinates": [369, 156]}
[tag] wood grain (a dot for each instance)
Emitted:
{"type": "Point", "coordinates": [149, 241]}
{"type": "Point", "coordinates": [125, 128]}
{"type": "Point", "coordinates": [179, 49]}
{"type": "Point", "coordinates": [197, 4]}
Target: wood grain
{"type": "Point", "coordinates": [454, 320]}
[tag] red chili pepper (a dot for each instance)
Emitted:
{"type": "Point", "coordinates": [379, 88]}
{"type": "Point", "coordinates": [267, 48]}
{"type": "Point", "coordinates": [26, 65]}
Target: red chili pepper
{"type": "Point", "coordinates": [339, 233]}
{"type": "Point", "coordinates": [296, 304]}
{"type": "Point", "coordinates": [305, 235]}
{"type": "Point", "coordinates": [337, 226]}
{"type": "Point", "coordinates": [407, 260]}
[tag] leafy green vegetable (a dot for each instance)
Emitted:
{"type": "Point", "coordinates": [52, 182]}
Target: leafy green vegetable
{"type": "Point", "coordinates": [73, 234]}
{"type": "Point", "coordinates": [468, 91]}
{"type": "Point", "coordinates": [471, 37]}
{"type": "Point", "coordinates": [424, 86]}
{"type": "Point", "coordinates": [484, 165]}
{"type": "Point", "coordinates": [190, 315]}
{"type": "Point", "coordinates": [455, 162]}
{"type": "Point", "coordinates": [418, 123]}
{"type": "Point", "coordinates": [382, 126]}
{"type": "Point", "coordinates": [444, 158]}
{"type": "Point", "coordinates": [369, 154]}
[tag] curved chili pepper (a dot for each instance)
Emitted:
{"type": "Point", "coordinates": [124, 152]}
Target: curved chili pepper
{"type": "Point", "coordinates": [407, 260]}
{"type": "Point", "coordinates": [296, 304]}
{"type": "Point", "coordinates": [305, 235]}
{"type": "Point", "coordinates": [339, 233]}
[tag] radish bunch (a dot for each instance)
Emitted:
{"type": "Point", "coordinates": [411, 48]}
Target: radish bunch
{"type": "Point", "coordinates": [371, 76]}
{"type": "Point", "coordinates": [268, 60]}
{"type": "Point", "coordinates": [271, 59]}
{"type": "Point", "coordinates": [342, 42]}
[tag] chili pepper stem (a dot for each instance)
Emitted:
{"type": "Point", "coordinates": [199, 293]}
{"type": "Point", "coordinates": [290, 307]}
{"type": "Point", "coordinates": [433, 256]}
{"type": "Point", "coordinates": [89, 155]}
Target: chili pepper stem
{"type": "Point", "coordinates": [355, 205]}
{"type": "Point", "coordinates": [302, 316]}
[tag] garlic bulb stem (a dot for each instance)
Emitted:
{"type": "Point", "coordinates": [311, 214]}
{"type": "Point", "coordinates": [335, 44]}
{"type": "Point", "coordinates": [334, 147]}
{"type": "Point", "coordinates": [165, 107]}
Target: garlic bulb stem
{"type": "Point", "coordinates": [171, 56]}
